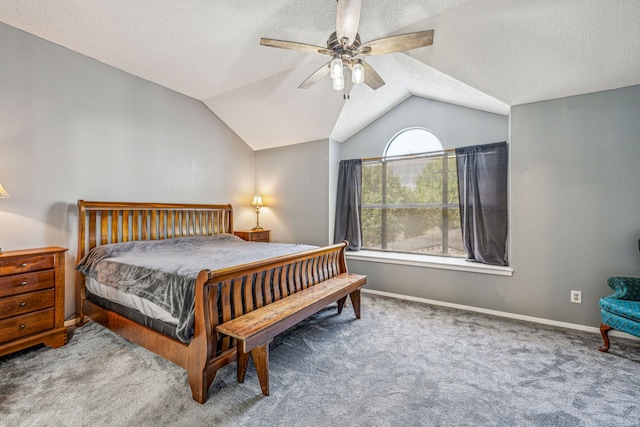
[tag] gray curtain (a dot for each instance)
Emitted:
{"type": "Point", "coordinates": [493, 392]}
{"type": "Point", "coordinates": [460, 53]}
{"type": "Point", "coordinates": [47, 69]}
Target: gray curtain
{"type": "Point", "coordinates": [348, 204]}
{"type": "Point", "coordinates": [482, 187]}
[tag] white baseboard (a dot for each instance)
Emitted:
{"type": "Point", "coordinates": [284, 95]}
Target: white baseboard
{"type": "Point", "coordinates": [70, 322]}
{"type": "Point", "coordinates": [502, 314]}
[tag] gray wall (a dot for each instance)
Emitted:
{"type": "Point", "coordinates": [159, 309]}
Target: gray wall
{"type": "Point", "coordinates": [455, 126]}
{"type": "Point", "coordinates": [295, 181]}
{"type": "Point", "coordinates": [575, 175]}
{"type": "Point", "coordinates": [575, 213]}
{"type": "Point", "coordinates": [75, 128]}
{"type": "Point", "coordinates": [72, 127]}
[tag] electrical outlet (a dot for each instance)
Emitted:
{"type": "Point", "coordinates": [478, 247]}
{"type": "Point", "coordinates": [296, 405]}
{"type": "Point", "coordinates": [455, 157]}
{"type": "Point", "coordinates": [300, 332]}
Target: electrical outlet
{"type": "Point", "coordinates": [576, 296]}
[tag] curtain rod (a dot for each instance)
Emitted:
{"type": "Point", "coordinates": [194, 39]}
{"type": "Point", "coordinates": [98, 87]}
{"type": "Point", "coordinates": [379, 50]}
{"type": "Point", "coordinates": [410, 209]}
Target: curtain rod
{"type": "Point", "coordinates": [429, 153]}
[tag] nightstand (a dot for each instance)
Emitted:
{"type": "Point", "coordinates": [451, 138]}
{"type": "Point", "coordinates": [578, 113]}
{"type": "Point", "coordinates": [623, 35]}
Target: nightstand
{"type": "Point", "coordinates": [32, 299]}
{"type": "Point", "coordinates": [254, 235]}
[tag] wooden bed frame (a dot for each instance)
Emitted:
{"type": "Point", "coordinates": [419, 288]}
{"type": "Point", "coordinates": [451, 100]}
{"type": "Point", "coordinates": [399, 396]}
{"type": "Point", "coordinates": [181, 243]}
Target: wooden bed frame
{"type": "Point", "coordinates": [224, 294]}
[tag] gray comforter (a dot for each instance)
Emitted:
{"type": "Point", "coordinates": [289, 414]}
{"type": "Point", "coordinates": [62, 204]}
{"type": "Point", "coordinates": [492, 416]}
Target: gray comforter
{"type": "Point", "coordinates": [165, 271]}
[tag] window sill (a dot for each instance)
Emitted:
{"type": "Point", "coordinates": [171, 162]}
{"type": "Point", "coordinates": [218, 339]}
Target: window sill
{"type": "Point", "coordinates": [427, 261]}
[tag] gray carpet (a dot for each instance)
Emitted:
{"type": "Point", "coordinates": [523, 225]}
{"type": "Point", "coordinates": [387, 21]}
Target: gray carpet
{"type": "Point", "coordinates": [402, 364]}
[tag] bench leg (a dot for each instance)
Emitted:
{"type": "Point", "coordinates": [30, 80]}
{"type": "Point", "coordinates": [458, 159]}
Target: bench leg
{"type": "Point", "coordinates": [261, 361]}
{"type": "Point", "coordinates": [355, 301]}
{"type": "Point", "coordinates": [341, 302]}
{"type": "Point", "coordinates": [242, 361]}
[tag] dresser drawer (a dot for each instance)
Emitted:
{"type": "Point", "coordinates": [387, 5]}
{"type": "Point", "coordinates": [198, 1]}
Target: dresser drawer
{"type": "Point", "coordinates": [26, 264]}
{"type": "Point", "coordinates": [27, 324]}
{"type": "Point", "coordinates": [26, 303]}
{"type": "Point", "coordinates": [22, 283]}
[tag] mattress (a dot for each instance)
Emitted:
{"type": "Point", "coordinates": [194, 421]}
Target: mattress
{"type": "Point", "coordinates": [129, 300]}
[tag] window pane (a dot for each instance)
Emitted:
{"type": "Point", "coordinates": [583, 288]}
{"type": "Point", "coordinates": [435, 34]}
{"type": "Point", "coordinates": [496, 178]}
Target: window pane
{"type": "Point", "coordinates": [417, 230]}
{"type": "Point", "coordinates": [412, 141]}
{"type": "Point", "coordinates": [410, 204]}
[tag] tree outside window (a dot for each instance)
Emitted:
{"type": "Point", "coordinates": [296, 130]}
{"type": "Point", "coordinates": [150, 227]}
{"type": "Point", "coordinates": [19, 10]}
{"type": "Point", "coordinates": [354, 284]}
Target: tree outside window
{"type": "Point", "coordinates": [410, 198]}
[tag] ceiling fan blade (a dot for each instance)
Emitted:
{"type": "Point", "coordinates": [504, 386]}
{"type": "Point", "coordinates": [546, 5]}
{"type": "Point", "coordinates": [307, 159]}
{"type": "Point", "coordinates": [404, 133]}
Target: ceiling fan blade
{"type": "Point", "coordinates": [398, 43]}
{"type": "Point", "coordinates": [348, 19]}
{"type": "Point", "coordinates": [294, 46]}
{"type": "Point", "coordinates": [315, 77]}
{"type": "Point", "coordinates": [371, 78]}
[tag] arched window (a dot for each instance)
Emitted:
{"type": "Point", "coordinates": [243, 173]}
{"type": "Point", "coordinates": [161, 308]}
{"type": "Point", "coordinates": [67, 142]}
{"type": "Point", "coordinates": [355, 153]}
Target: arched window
{"type": "Point", "coordinates": [412, 141]}
{"type": "Point", "coordinates": [410, 197]}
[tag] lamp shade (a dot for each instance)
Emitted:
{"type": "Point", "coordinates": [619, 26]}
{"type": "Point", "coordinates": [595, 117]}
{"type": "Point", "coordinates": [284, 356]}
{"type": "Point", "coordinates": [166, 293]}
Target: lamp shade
{"type": "Point", "coordinates": [3, 193]}
{"type": "Point", "coordinates": [257, 200]}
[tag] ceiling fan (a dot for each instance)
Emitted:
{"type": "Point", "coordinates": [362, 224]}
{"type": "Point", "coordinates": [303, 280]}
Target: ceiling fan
{"type": "Point", "coordinates": [346, 49]}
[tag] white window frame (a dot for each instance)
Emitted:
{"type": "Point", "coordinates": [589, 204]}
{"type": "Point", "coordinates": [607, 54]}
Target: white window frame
{"type": "Point", "coordinates": [433, 148]}
{"type": "Point", "coordinates": [398, 134]}
{"type": "Point", "coordinates": [426, 261]}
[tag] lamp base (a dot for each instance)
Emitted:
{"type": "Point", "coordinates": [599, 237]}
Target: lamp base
{"type": "Point", "coordinates": [257, 228]}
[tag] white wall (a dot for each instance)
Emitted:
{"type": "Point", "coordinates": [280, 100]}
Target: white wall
{"type": "Point", "coordinates": [73, 128]}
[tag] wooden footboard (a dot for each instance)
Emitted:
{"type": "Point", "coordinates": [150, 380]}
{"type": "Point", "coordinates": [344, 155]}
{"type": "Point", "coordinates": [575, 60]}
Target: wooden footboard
{"type": "Point", "coordinates": [225, 294]}
{"type": "Point", "coordinates": [220, 295]}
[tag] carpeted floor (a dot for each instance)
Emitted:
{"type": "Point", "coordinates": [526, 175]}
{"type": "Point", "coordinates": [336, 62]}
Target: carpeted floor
{"type": "Point", "coordinates": [402, 364]}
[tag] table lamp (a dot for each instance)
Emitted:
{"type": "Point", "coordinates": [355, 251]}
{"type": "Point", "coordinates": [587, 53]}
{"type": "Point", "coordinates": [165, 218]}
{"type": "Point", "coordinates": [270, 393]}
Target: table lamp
{"type": "Point", "coordinates": [257, 202]}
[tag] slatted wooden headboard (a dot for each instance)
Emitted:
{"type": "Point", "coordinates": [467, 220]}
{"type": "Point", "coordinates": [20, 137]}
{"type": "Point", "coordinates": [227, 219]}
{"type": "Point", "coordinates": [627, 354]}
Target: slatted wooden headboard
{"type": "Point", "coordinates": [101, 223]}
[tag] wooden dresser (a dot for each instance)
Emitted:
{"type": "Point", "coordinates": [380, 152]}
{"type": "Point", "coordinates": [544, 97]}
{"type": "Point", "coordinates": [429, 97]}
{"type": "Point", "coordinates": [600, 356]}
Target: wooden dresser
{"type": "Point", "coordinates": [32, 299]}
{"type": "Point", "coordinates": [254, 235]}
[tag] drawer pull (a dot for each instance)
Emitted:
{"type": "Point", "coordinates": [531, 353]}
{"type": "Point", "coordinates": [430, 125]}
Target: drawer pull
{"type": "Point", "coordinates": [24, 264]}
{"type": "Point", "coordinates": [22, 326]}
{"type": "Point", "coordinates": [23, 283]}
{"type": "Point", "coordinates": [23, 304]}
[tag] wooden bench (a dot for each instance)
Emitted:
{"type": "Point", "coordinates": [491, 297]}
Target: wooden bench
{"type": "Point", "coordinates": [254, 330]}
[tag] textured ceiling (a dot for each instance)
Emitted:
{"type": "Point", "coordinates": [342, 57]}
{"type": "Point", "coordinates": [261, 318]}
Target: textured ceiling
{"type": "Point", "coordinates": [487, 54]}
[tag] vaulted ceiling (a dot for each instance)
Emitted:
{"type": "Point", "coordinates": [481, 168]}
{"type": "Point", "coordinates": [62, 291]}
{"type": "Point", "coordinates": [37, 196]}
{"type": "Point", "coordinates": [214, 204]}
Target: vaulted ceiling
{"type": "Point", "coordinates": [487, 54]}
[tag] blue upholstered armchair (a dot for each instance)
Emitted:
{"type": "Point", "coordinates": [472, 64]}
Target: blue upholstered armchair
{"type": "Point", "coordinates": [621, 310]}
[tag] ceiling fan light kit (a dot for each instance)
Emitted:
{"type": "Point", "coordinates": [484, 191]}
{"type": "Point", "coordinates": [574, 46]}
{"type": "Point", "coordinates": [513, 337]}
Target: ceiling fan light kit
{"type": "Point", "coordinates": [357, 72]}
{"type": "Point", "coordinates": [336, 68]}
{"type": "Point", "coordinates": [344, 47]}
{"type": "Point", "coordinates": [338, 83]}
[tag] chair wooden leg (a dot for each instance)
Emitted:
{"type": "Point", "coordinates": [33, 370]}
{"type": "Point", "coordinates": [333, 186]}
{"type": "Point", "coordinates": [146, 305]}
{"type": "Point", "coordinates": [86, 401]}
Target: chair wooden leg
{"type": "Point", "coordinates": [261, 361]}
{"type": "Point", "coordinates": [604, 330]}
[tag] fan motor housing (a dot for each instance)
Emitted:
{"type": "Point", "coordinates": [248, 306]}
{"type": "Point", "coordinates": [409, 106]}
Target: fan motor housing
{"type": "Point", "coordinates": [334, 45]}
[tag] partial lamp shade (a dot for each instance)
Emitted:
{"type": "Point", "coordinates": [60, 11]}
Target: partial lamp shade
{"type": "Point", "coordinates": [257, 201]}
{"type": "Point", "coordinates": [3, 193]}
